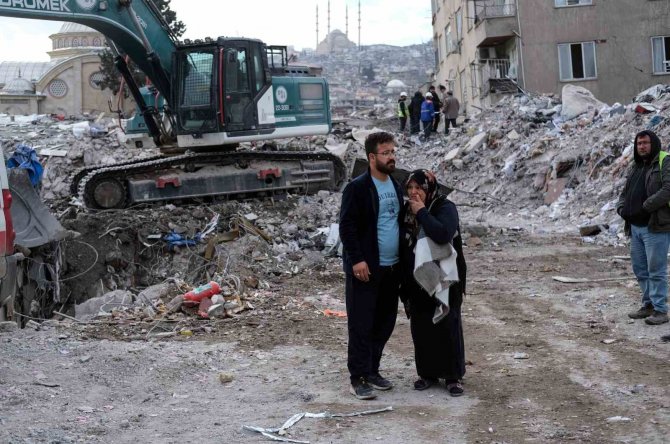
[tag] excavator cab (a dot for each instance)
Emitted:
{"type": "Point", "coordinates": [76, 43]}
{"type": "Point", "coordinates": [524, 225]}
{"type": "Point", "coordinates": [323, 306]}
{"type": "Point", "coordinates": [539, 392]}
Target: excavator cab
{"type": "Point", "coordinates": [221, 87]}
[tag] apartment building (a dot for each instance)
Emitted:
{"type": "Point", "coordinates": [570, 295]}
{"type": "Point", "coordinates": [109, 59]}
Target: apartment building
{"type": "Point", "coordinates": [614, 48]}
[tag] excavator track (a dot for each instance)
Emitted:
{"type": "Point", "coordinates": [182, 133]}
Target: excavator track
{"type": "Point", "coordinates": [116, 186]}
{"type": "Point", "coordinates": [83, 172]}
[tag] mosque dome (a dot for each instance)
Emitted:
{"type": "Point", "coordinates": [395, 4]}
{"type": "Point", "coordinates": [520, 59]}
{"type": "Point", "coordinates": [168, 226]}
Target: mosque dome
{"type": "Point", "coordinates": [395, 83]}
{"type": "Point", "coordinates": [18, 86]}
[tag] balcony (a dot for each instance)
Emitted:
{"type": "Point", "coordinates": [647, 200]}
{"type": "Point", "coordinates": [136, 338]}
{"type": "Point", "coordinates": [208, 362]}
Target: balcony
{"type": "Point", "coordinates": [495, 21]}
{"type": "Point", "coordinates": [494, 77]}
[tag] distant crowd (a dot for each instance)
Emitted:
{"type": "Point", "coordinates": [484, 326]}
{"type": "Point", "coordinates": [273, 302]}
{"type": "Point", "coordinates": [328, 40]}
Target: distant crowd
{"type": "Point", "coordinates": [425, 111]}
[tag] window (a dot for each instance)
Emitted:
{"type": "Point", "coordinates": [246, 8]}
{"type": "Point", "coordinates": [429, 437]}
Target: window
{"type": "Point", "coordinates": [84, 42]}
{"type": "Point", "coordinates": [464, 88]}
{"type": "Point", "coordinates": [660, 50]}
{"type": "Point", "coordinates": [440, 54]}
{"type": "Point", "coordinates": [473, 80]}
{"type": "Point", "coordinates": [95, 79]}
{"type": "Point", "coordinates": [459, 25]}
{"type": "Point", "coordinates": [471, 15]}
{"type": "Point", "coordinates": [449, 39]}
{"type": "Point", "coordinates": [560, 3]}
{"type": "Point", "coordinates": [96, 42]}
{"type": "Point", "coordinates": [57, 88]}
{"type": "Point", "coordinates": [75, 42]}
{"type": "Point", "coordinates": [577, 61]}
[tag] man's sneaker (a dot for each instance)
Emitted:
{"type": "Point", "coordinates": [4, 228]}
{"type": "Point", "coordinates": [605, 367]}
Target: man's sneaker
{"type": "Point", "coordinates": [642, 313]}
{"type": "Point", "coordinates": [657, 318]}
{"type": "Point", "coordinates": [361, 389]}
{"type": "Point", "coordinates": [378, 382]}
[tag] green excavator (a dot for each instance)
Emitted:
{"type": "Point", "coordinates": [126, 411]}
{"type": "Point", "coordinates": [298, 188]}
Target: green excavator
{"type": "Point", "coordinates": [206, 97]}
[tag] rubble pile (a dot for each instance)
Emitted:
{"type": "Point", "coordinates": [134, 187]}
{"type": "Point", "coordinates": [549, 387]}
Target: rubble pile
{"type": "Point", "coordinates": [525, 161]}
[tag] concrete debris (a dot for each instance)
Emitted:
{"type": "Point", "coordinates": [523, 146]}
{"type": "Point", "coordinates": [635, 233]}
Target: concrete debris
{"type": "Point", "coordinates": [578, 100]}
{"type": "Point", "coordinates": [103, 305]}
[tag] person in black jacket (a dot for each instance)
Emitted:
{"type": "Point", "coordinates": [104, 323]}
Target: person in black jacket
{"type": "Point", "coordinates": [643, 204]}
{"type": "Point", "coordinates": [439, 350]}
{"type": "Point", "coordinates": [415, 113]}
{"type": "Point", "coordinates": [370, 232]}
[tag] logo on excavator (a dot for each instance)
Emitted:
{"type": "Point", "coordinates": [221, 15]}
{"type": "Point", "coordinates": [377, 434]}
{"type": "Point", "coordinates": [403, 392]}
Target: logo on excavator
{"type": "Point", "coordinates": [40, 5]}
{"type": "Point", "coordinates": [87, 4]}
{"type": "Point", "coordinates": [281, 94]}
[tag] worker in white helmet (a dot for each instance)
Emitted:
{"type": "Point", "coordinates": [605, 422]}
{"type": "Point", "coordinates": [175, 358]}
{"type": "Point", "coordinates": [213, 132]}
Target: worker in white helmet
{"type": "Point", "coordinates": [403, 112]}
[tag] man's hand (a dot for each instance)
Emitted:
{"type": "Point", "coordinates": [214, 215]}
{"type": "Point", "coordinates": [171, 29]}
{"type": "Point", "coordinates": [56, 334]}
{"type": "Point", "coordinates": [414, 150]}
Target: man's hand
{"type": "Point", "coordinates": [361, 271]}
{"type": "Point", "coordinates": [415, 205]}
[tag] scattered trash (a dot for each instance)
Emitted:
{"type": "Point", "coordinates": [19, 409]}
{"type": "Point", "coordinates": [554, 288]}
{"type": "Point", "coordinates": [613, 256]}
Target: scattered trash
{"type": "Point", "coordinates": [618, 419]}
{"type": "Point", "coordinates": [335, 313]}
{"type": "Point", "coordinates": [276, 433]}
{"type": "Point", "coordinates": [225, 378]}
{"type": "Point", "coordinates": [608, 341]}
{"type": "Point", "coordinates": [520, 355]}
{"type": "Point", "coordinates": [572, 280]}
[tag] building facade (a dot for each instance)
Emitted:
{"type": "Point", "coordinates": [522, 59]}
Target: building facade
{"type": "Point", "coordinates": [65, 85]}
{"type": "Point", "coordinates": [485, 48]}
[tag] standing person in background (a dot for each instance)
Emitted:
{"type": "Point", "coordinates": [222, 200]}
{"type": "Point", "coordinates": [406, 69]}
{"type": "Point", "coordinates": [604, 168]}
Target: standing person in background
{"type": "Point", "coordinates": [415, 113]}
{"type": "Point", "coordinates": [643, 204]}
{"type": "Point", "coordinates": [427, 115]}
{"type": "Point", "coordinates": [450, 109]}
{"type": "Point", "coordinates": [437, 104]}
{"type": "Point", "coordinates": [370, 220]}
{"type": "Point", "coordinates": [439, 349]}
{"type": "Point", "coordinates": [403, 111]}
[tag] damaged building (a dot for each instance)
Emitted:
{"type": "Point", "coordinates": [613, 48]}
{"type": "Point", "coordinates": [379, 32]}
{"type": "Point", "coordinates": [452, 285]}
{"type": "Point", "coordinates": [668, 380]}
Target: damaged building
{"type": "Point", "coordinates": [484, 48]}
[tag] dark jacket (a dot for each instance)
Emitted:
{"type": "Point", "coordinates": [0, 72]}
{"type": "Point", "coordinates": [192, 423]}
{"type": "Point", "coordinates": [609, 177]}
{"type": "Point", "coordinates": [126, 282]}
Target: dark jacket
{"type": "Point", "coordinates": [441, 225]}
{"type": "Point", "coordinates": [358, 222]}
{"type": "Point", "coordinates": [437, 103]}
{"type": "Point", "coordinates": [657, 191]}
{"type": "Point", "coordinates": [415, 106]}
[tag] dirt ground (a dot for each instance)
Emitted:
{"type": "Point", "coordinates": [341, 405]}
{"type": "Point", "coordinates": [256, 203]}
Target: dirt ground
{"type": "Point", "coordinates": [102, 383]}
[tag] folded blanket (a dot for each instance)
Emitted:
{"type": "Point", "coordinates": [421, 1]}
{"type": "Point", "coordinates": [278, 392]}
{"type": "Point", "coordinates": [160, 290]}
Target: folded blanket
{"type": "Point", "coordinates": [435, 271]}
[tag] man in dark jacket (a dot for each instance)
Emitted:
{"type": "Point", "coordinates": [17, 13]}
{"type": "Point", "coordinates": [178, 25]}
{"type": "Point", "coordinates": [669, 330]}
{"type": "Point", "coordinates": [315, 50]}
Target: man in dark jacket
{"type": "Point", "coordinates": [370, 231]}
{"type": "Point", "coordinates": [643, 204]}
{"type": "Point", "coordinates": [415, 113]}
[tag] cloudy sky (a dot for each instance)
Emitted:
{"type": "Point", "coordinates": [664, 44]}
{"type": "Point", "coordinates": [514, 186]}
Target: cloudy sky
{"type": "Point", "coordinates": [290, 22]}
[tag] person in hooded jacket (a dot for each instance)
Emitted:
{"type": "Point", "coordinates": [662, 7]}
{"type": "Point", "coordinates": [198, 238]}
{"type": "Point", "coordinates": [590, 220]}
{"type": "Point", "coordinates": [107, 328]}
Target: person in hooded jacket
{"type": "Point", "coordinates": [643, 205]}
{"type": "Point", "coordinates": [415, 113]}
{"type": "Point", "coordinates": [427, 114]}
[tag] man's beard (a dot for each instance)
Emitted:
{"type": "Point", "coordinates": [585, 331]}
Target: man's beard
{"type": "Point", "coordinates": [386, 168]}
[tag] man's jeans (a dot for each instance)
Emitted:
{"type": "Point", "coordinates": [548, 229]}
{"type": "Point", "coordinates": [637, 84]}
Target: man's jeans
{"type": "Point", "coordinates": [649, 255]}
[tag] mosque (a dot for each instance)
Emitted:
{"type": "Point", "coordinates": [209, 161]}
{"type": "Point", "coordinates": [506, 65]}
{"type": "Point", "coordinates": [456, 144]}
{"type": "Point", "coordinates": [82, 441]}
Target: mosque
{"type": "Point", "coordinates": [65, 85]}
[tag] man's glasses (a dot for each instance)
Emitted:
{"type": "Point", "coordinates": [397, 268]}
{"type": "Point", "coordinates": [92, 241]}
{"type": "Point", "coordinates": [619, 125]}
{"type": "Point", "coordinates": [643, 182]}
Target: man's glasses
{"type": "Point", "coordinates": [386, 153]}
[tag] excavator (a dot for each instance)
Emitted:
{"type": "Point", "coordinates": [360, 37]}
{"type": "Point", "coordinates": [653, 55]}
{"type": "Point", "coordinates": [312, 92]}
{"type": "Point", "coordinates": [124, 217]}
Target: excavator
{"type": "Point", "coordinates": [206, 97]}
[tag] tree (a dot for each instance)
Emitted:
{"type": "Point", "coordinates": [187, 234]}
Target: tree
{"type": "Point", "coordinates": [111, 76]}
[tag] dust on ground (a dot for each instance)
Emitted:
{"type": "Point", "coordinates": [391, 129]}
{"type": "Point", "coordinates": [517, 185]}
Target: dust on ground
{"type": "Point", "coordinates": [102, 383]}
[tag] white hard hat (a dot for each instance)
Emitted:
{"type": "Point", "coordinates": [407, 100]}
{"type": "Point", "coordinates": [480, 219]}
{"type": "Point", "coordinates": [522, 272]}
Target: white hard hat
{"type": "Point", "coordinates": [429, 95]}
{"type": "Point", "coordinates": [403, 94]}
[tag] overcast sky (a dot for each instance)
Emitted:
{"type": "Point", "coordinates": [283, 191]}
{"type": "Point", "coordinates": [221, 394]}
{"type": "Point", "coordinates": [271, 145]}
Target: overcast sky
{"type": "Point", "coordinates": [289, 22]}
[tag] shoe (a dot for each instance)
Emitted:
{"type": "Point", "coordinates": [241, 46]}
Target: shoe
{"type": "Point", "coordinates": [361, 389]}
{"type": "Point", "coordinates": [642, 313]}
{"type": "Point", "coordinates": [657, 318]}
{"type": "Point", "coordinates": [378, 382]}
{"type": "Point", "coordinates": [455, 389]}
{"type": "Point", "coordinates": [665, 338]}
{"type": "Point", "coordinates": [423, 383]}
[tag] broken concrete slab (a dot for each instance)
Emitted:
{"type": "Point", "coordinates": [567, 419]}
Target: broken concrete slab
{"type": "Point", "coordinates": [102, 305]}
{"type": "Point", "coordinates": [578, 100]}
{"type": "Point", "coordinates": [555, 188]}
{"type": "Point", "coordinates": [476, 142]}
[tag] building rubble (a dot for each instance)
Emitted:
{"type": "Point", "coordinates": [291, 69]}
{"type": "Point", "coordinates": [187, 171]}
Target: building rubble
{"type": "Point", "coordinates": [517, 166]}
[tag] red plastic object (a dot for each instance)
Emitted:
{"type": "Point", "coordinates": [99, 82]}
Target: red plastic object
{"type": "Point", "coordinates": [203, 291]}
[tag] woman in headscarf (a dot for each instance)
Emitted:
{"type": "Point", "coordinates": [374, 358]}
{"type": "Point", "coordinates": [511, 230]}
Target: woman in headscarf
{"type": "Point", "coordinates": [438, 347]}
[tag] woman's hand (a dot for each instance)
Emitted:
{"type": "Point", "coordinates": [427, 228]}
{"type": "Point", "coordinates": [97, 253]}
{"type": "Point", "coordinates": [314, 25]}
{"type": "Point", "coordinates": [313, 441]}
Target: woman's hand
{"type": "Point", "coordinates": [415, 205]}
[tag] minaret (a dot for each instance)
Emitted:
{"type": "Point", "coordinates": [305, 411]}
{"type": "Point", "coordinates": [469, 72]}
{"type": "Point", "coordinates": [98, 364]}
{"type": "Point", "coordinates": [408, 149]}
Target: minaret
{"type": "Point", "coordinates": [317, 27]}
{"type": "Point", "coordinates": [328, 17]}
{"type": "Point", "coordinates": [359, 25]}
{"type": "Point", "coordinates": [346, 20]}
